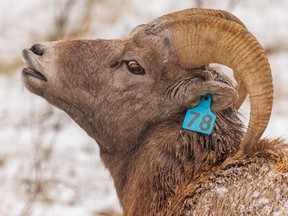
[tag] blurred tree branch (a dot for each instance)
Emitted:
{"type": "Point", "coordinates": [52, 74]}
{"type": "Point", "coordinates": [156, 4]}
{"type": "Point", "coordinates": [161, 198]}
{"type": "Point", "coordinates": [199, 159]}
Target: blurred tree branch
{"type": "Point", "coordinates": [8, 68]}
{"type": "Point", "coordinates": [199, 3]}
{"type": "Point", "coordinates": [275, 49]}
{"type": "Point", "coordinates": [63, 19]}
{"type": "Point", "coordinates": [232, 4]}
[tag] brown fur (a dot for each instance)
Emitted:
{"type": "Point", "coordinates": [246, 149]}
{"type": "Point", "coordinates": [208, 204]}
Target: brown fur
{"type": "Point", "coordinates": [180, 171]}
{"type": "Point", "coordinates": [157, 167]}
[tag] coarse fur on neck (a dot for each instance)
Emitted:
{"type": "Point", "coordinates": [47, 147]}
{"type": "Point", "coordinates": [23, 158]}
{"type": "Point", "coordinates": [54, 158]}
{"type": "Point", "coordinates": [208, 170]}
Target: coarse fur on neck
{"type": "Point", "coordinates": [148, 177]}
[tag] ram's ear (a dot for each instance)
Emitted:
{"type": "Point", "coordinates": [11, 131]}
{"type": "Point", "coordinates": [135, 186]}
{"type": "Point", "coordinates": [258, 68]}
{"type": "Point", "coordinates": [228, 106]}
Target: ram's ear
{"type": "Point", "coordinates": [186, 93]}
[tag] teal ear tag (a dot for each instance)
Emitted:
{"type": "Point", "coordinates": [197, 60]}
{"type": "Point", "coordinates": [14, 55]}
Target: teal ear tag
{"type": "Point", "coordinates": [200, 118]}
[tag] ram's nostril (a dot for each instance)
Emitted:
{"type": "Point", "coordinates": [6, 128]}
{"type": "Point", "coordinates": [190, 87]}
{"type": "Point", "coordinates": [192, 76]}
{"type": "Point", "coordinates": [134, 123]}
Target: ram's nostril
{"type": "Point", "coordinates": [36, 49]}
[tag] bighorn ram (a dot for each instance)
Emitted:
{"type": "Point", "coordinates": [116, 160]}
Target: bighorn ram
{"type": "Point", "coordinates": [131, 95]}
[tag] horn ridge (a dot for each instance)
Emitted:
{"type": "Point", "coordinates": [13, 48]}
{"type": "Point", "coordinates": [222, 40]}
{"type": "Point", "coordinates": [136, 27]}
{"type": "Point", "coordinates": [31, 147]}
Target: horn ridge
{"type": "Point", "coordinates": [202, 36]}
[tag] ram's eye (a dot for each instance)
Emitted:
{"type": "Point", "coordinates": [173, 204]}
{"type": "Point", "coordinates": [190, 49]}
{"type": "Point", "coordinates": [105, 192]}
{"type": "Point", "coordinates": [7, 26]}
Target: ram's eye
{"type": "Point", "coordinates": [135, 68]}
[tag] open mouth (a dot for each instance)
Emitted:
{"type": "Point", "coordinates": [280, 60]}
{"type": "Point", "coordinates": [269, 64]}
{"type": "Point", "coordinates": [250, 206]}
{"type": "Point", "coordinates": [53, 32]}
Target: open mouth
{"type": "Point", "coordinates": [33, 73]}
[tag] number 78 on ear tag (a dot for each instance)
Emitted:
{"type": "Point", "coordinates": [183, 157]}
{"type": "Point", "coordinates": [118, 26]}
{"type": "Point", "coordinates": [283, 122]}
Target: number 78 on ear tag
{"type": "Point", "coordinates": [200, 118]}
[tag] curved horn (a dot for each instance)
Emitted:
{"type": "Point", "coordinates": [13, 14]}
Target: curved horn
{"type": "Point", "coordinates": [199, 38]}
{"type": "Point", "coordinates": [189, 14]}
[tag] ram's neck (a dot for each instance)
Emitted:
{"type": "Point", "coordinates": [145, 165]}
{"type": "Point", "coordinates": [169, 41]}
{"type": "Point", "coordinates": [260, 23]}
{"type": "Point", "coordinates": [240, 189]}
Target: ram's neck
{"type": "Point", "coordinates": [170, 157]}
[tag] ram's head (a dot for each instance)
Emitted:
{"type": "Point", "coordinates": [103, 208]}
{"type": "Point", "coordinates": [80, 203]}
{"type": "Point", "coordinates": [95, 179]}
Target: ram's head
{"type": "Point", "coordinates": [115, 89]}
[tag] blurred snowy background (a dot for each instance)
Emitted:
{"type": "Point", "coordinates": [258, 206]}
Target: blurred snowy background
{"type": "Point", "coordinates": [48, 165]}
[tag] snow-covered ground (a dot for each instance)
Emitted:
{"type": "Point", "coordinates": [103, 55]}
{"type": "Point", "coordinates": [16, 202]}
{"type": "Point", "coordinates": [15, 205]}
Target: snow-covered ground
{"type": "Point", "coordinates": [48, 165]}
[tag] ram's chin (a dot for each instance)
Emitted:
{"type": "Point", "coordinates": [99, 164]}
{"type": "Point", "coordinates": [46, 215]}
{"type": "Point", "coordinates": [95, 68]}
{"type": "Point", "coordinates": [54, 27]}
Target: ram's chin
{"type": "Point", "coordinates": [33, 86]}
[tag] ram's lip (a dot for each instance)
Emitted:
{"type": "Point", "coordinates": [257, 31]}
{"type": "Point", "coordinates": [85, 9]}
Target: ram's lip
{"type": "Point", "coordinates": [31, 72]}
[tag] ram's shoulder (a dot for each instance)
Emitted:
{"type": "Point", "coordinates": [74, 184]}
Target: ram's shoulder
{"type": "Point", "coordinates": [257, 183]}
